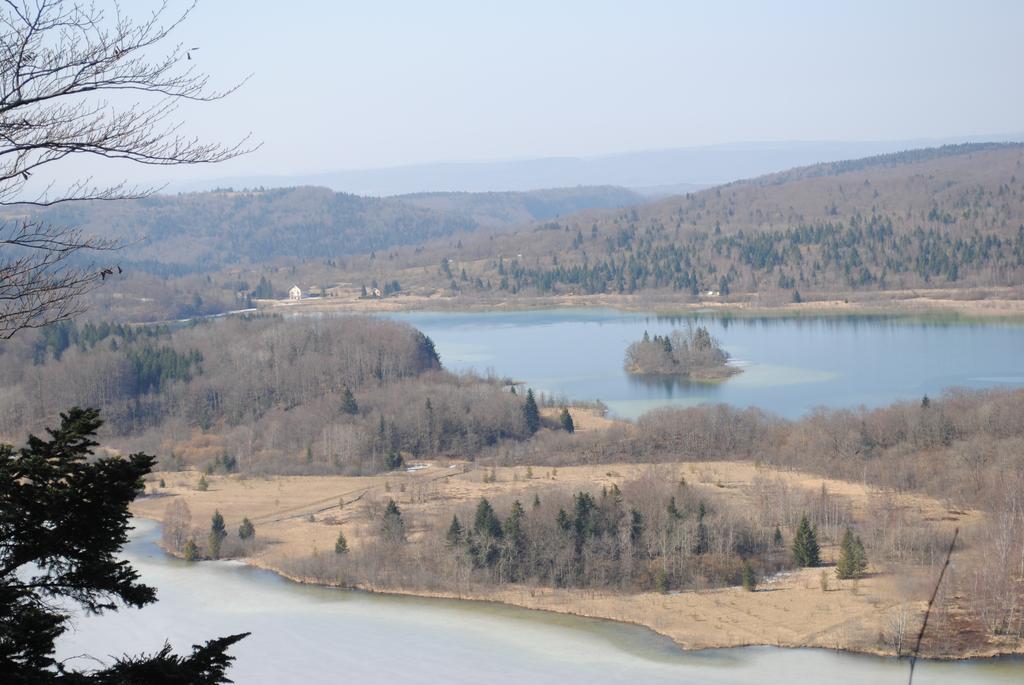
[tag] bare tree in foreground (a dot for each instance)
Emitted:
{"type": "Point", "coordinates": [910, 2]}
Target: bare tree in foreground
{"type": "Point", "coordinates": [65, 69]}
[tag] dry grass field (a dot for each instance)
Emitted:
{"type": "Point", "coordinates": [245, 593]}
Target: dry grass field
{"type": "Point", "coordinates": [297, 516]}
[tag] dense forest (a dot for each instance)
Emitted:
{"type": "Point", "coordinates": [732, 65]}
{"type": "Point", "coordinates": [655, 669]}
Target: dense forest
{"type": "Point", "coordinates": [261, 394]}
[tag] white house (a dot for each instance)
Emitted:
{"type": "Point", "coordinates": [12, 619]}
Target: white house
{"type": "Point", "coordinates": [295, 293]}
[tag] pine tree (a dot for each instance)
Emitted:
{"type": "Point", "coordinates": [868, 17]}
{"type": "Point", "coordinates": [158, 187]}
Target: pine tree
{"type": "Point", "coordinates": [673, 510]}
{"type": "Point", "coordinates": [486, 522]}
{"type": "Point", "coordinates": [852, 558]}
{"type": "Point", "coordinates": [860, 557]}
{"type": "Point", "coordinates": [202, 485]}
{"type": "Point", "coordinates": [777, 537]}
{"type": "Point", "coordinates": [749, 577]}
{"type": "Point", "coordinates": [636, 527]}
{"type": "Point", "coordinates": [348, 402]}
{"type": "Point", "coordinates": [455, 533]}
{"type": "Point", "coordinates": [341, 544]}
{"type": "Point", "coordinates": [392, 526]}
{"type": "Point", "coordinates": [246, 530]}
{"type": "Point", "coordinates": [217, 534]}
{"type": "Point", "coordinates": [565, 419]}
{"type": "Point", "coordinates": [191, 550]}
{"type": "Point", "coordinates": [531, 413]}
{"type": "Point", "coordinates": [805, 544]}
{"type": "Point", "coordinates": [703, 544]}
{"type": "Point", "coordinates": [536, 500]}
{"type": "Point", "coordinates": [394, 460]}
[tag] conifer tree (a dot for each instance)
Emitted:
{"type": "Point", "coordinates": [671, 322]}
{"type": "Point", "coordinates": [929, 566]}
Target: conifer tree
{"type": "Point", "coordinates": [486, 522]}
{"type": "Point", "coordinates": [217, 534]}
{"type": "Point", "coordinates": [673, 510]}
{"type": "Point", "coordinates": [703, 544]}
{"type": "Point", "coordinates": [348, 402]}
{"type": "Point", "coordinates": [246, 530]}
{"type": "Point", "coordinates": [190, 551]}
{"type": "Point", "coordinates": [455, 533]}
{"type": "Point", "coordinates": [805, 544]}
{"type": "Point", "coordinates": [565, 419]}
{"type": "Point", "coordinates": [749, 577]}
{"type": "Point", "coordinates": [636, 527]}
{"type": "Point", "coordinates": [531, 413]}
{"type": "Point", "coordinates": [341, 544]}
{"type": "Point", "coordinates": [777, 537]}
{"type": "Point", "coordinates": [392, 526]}
{"type": "Point", "coordinates": [852, 558]}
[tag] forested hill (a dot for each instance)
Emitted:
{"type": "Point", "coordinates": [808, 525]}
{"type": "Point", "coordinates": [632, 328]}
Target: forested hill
{"type": "Point", "coordinates": [924, 218]}
{"type": "Point", "coordinates": [501, 209]}
{"type": "Point", "coordinates": [210, 230]}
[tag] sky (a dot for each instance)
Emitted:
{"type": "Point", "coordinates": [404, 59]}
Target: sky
{"type": "Point", "coordinates": [350, 85]}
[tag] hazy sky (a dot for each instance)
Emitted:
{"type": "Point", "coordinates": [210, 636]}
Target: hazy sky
{"type": "Point", "coordinates": [340, 85]}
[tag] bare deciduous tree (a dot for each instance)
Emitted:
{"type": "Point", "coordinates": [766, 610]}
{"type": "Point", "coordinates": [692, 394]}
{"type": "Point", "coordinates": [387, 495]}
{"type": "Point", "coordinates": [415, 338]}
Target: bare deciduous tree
{"type": "Point", "coordinates": [76, 80]}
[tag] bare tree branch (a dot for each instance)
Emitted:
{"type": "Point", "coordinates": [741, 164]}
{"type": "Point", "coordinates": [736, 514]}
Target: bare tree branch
{"type": "Point", "coordinates": [60, 61]}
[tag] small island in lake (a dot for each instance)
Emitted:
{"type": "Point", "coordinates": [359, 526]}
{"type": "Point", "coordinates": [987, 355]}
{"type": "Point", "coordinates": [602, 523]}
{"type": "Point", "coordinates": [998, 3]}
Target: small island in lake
{"type": "Point", "coordinates": [690, 353]}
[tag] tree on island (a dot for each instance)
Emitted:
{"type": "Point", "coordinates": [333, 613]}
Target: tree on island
{"type": "Point", "coordinates": [805, 544]}
{"type": "Point", "coordinates": [531, 413]}
{"type": "Point", "coordinates": [63, 522]}
{"type": "Point", "coordinates": [686, 352]}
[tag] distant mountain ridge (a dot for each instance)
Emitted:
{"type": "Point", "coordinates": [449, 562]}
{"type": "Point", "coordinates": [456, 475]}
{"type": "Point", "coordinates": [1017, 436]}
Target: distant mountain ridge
{"type": "Point", "coordinates": [699, 166]}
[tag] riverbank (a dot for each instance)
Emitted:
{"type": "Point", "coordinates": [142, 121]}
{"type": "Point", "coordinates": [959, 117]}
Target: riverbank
{"type": "Point", "coordinates": [298, 518]}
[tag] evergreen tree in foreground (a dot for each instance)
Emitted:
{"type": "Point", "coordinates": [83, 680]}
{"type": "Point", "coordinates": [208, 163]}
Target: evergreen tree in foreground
{"type": "Point", "coordinates": [531, 413]}
{"type": "Point", "coordinates": [805, 544]}
{"type": "Point", "coordinates": [565, 419]}
{"type": "Point", "coordinates": [217, 534]}
{"type": "Point", "coordinates": [63, 521]}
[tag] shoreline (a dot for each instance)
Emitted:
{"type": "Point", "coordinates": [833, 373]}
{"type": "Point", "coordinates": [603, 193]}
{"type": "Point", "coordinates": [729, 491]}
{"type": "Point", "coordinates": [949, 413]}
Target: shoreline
{"type": "Point", "coordinates": [508, 597]}
{"type": "Point", "coordinates": [941, 306]}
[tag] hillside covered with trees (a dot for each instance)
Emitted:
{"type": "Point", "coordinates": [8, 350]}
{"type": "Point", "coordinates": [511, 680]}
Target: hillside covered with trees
{"type": "Point", "coordinates": [942, 217]}
{"type": "Point", "coordinates": [266, 394]}
{"type": "Point", "coordinates": [202, 232]}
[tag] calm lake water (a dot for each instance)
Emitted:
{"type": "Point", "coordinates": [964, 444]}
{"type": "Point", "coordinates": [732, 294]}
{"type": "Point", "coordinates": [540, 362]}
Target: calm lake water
{"type": "Point", "coordinates": [306, 634]}
{"type": "Point", "coordinates": [790, 366]}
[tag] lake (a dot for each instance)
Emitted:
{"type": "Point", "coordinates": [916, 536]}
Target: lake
{"type": "Point", "coordinates": [790, 365]}
{"type": "Point", "coordinates": [309, 634]}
